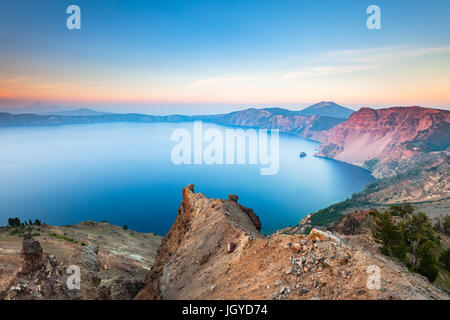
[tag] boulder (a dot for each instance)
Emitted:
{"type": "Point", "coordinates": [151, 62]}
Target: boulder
{"type": "Point", "coordinates": [319, 235]}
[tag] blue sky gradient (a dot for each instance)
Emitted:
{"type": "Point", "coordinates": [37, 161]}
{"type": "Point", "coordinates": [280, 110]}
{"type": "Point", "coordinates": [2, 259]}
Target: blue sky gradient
{"type": "Point", "coordinates": [140, 55]}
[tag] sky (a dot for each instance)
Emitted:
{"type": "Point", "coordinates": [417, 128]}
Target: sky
{"type": "Point", "coordinates": [208, 56]}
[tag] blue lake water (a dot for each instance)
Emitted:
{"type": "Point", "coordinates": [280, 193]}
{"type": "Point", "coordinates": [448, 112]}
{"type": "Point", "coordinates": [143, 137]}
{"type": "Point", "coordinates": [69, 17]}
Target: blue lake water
{"type": "Point", "coordinates": [123, 173]}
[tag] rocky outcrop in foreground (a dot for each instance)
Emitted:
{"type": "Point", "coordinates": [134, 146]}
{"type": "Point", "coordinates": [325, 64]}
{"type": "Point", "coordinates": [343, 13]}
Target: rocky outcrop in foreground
{"type": "Point", "coordinates": [214, 250]}
{"type": "Point", "coordinates": [112, 262]}
{"type": "Point", "coordinates": [43, 277]}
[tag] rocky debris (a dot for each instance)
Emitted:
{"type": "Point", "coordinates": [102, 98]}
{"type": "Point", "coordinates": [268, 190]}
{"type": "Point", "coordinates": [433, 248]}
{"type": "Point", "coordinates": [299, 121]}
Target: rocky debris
{"type": "Point", "coordinates": [90, 268]}
{"type": "Point", "coordinates": [32, 255]}
{"type": "Point", "coordinates": [124, 288]}
{"type": "Point", "coordinates": [37, 268]}
{"type": "Point", "coordinates": [89, 257]}
{"type": "Point", "coordinates": [43, 277]}
{"type": "Point", "coordinates": [281, 293]}
{"type": "Point", "coordinates": [40, 277]}
{"type": "Point", "coordinates": [323, 250]}
{"type": "Point", "coordinates": [320, 265]}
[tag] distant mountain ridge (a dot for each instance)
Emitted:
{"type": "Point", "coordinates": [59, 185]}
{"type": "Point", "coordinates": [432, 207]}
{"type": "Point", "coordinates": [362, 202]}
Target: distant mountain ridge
{"type": "Point", "coordinates": [287, 121]}
{"type": "Point", "coordinates": [41, 109]}
{"type": "Point", "coordinates": [77, 112]}
{"type": "Point", "coordinates": [324, 109]}
{"type": "Point", "coordinates": [381, 135]}
{"type": "Point", "coordinates": [36, 108]}
{"type": "Point", "coordinates": [276, 118]}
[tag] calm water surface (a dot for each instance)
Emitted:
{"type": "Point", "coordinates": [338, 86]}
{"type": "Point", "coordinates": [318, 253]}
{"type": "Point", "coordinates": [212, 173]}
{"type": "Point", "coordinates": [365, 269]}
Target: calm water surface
{"type": "Point", "coordinates": [123, 173]}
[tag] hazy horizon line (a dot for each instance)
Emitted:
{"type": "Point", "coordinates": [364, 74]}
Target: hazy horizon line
{"type": "Point", "coordinates": [151, 108]}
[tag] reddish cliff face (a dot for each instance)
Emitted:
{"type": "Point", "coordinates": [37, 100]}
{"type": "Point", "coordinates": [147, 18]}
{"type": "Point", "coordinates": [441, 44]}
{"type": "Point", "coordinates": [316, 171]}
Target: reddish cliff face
{"type": "Point", "coordinates": [387, 134]}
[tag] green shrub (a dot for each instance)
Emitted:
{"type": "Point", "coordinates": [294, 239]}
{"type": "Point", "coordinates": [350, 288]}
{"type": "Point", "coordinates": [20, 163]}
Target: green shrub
{"type": "Point", "coordinates": [57, 236]}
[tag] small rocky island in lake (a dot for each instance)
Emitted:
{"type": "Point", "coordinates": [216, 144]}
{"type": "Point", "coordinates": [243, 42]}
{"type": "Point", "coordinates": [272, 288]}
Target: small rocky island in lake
{"type": "Point", "coordinates": [302, 154]}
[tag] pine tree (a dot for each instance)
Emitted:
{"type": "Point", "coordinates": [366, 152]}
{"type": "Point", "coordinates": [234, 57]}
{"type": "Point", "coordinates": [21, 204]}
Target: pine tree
{"type": "Point", "coordinates": [390, 235]}
{"type": "Point", "coordinates": [447, 224]}
{"type": "Point", "coordinates": [418, 230]}
{"type": "Point", "coordinates": [428, 262]}
{"type": "Point", "coordinates": [14, 222]}
{"type": "Point", "coordinates": [445, 259]}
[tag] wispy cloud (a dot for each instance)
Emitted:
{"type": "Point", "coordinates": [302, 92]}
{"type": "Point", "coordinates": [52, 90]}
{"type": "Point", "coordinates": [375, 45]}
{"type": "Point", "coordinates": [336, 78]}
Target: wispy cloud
{"type": "Point", "coordinates": [325, 71]}
{"type": "Point", "coordinates": [55, 85]}
{"type": "Point", "coordinates": [83, 84]}
{"type": "Point", "coordinates": [230, 79]}
{"type": "Point", "coordinates": [14, 80]}
{"type": "Point", "coordinates": [332, 63]}
{"type": "Point", "coordinates": [381, 54]}
{"type": "Point", "coordinates": [294, 74]}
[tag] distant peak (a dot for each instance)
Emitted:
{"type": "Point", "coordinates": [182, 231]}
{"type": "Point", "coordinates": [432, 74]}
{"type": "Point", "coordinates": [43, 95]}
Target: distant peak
{"type": "Point", "coordinates": [83, 109]}
{"type": "Point", "coordinates": [328, 108]}
{"type": "Point", "coordinates": [325, 103]}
